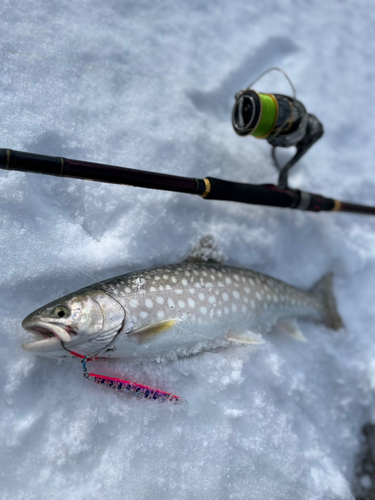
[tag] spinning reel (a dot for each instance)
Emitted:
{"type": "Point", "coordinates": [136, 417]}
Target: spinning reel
{"type": "Point", "coordinates": [280, 119]}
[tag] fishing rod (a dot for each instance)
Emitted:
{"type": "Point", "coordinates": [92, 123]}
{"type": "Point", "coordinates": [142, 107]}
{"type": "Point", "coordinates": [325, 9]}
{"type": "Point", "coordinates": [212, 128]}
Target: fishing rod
{"type": "Point", "coordinates": [280, 119]}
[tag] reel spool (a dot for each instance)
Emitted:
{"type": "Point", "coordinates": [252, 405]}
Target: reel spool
{"type": "Point", "coordinates": [280, 119]}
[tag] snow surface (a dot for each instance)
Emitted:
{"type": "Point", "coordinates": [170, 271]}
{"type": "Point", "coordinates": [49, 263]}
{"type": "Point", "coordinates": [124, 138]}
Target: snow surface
{"type": "Point", "coordinates": [150, 85]}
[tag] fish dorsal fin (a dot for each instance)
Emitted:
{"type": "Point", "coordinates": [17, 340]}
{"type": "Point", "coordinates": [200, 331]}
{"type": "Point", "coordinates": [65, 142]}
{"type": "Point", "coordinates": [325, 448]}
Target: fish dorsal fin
{"type": "Point", "coordinates": [147, 333]}
{"type": "Point", "coordinates": [246, 337]}
{"type": "Point", "coordinates": [291, 328]}
{"type": "Point", "coordinates": [205, 251]}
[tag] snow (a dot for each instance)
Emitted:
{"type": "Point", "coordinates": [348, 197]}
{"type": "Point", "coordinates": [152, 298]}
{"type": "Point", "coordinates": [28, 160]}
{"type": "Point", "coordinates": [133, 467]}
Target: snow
{"type": "Point", "coordinates": [150, 85]}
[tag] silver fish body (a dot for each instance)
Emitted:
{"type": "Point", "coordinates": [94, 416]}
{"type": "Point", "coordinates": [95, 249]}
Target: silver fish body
{"type": "Point", "coordinates": [174, 310]}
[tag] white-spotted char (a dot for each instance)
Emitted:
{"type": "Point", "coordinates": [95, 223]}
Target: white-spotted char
{"type": "Point", "coordinates": [175, 310]}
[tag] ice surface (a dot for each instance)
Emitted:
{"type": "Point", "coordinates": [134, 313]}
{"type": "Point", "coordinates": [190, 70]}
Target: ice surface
{"type": "Point", "coordinates": [150, 85]}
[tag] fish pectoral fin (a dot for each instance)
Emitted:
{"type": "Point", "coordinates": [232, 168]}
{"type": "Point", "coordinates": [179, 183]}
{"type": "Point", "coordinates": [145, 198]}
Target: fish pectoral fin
{"type": "Point", "coordinates": [246, 337]}
{"type": "Point", "coordinates": [291, 328]}
{"type": "Point", "coordinates": [146, 333]}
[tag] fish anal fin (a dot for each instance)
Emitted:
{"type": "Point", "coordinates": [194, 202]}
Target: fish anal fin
{"type": "Point", "coordinates": [246, 337]}
{"type": "Point", "coordinates": [291, 328]}
{"type": "Point", "coordinates": [147, 333]}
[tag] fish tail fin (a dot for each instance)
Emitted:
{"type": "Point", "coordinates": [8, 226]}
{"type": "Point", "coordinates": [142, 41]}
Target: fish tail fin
{"type": "Point", "coordinates": [324, 290]}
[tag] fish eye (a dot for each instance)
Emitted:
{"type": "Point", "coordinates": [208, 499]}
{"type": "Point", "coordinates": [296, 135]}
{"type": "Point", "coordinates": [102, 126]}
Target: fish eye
{"type": "Point", "coordinates": [61, 311]}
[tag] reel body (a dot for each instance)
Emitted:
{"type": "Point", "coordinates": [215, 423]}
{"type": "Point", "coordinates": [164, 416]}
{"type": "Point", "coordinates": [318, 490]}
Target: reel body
{"type": "Point", "coordinates": [280, 119]}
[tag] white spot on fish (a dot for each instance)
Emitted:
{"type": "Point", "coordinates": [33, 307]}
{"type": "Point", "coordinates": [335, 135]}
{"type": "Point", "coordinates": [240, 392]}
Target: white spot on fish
{"type": "Point", "coordinates": [236, 295]}
{"type": "Point", "coordinates": [225, 296]}
{"type": "Point", "coordinates": [226, 310]}
{"type": "Point", "coordinates": [152, 289]}
{"type": "Point", "coordinates": [174, 280]}
{"type": "Point", "coordinates": [149, 303]}
{"type": "Point", "coordinates": [212, 299]}
{"type": "Point", "coordinates": [160, 300]}
{"type": "Point", "coordinates": [228, 281]}
{"type": "Point", "coordinates": [247, 290]}
{"type": "Point", "coordinates": [258, 295]}
{"type": "Point", "coordinates": [165, 276]}
{"type": "Point", "coordinates": [134, 303]}
{"type": "Point", "coordinates": [244, 309]}
{"type": "Point", "coordinates": [143, 314]}
{"type": "Point", "coordinates": [171, 303]}
{"type": "Point", "coordinates": [181, 303]}
{"type": "Point", "coordinates": [168, 287]}
{"type": "Point", "coordinates": [160, 314]}
{"type": "Point", "coordinates": [179, 291]}
{"type": "Point", "coordinates": [191, 302]}
{"type": "Point", "coordinates": [128, 290]}
{"type": "Point", "coordinates": [236, 277]}
{"type": "Point", "coordinates": [252, 304]}
{"type": "Point", "coordinates": [184, 282]}
{"type": "Point", "coordinates": [234, 308]}
{"type": "Point", "coordinates": [203, 310]}
{"type": "Point", "coordinates": [201, 296]}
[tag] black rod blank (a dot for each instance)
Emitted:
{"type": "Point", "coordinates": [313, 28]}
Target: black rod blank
{"type": "Point", "coordinates": [209, 187]}
{"type": "Point", "coordinates": [64, 167]}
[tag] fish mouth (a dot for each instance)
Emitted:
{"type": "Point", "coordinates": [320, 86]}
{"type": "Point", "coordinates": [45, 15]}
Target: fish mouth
{"type": "Point", "coordinates": [49, 335]}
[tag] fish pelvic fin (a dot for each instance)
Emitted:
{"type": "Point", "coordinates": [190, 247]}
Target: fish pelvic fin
{"type": "Point", "coordinates": [323, 289]}
{"type": "Point", "coordinates": [147, 333]}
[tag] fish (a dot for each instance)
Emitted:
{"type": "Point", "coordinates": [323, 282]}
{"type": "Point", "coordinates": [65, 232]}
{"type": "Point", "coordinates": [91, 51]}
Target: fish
{"type": "Point", "coordinates": [176, 310]}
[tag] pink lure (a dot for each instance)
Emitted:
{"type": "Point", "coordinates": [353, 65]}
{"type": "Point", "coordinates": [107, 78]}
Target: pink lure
{"type": "Point", "coordinates": [132, 388]}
